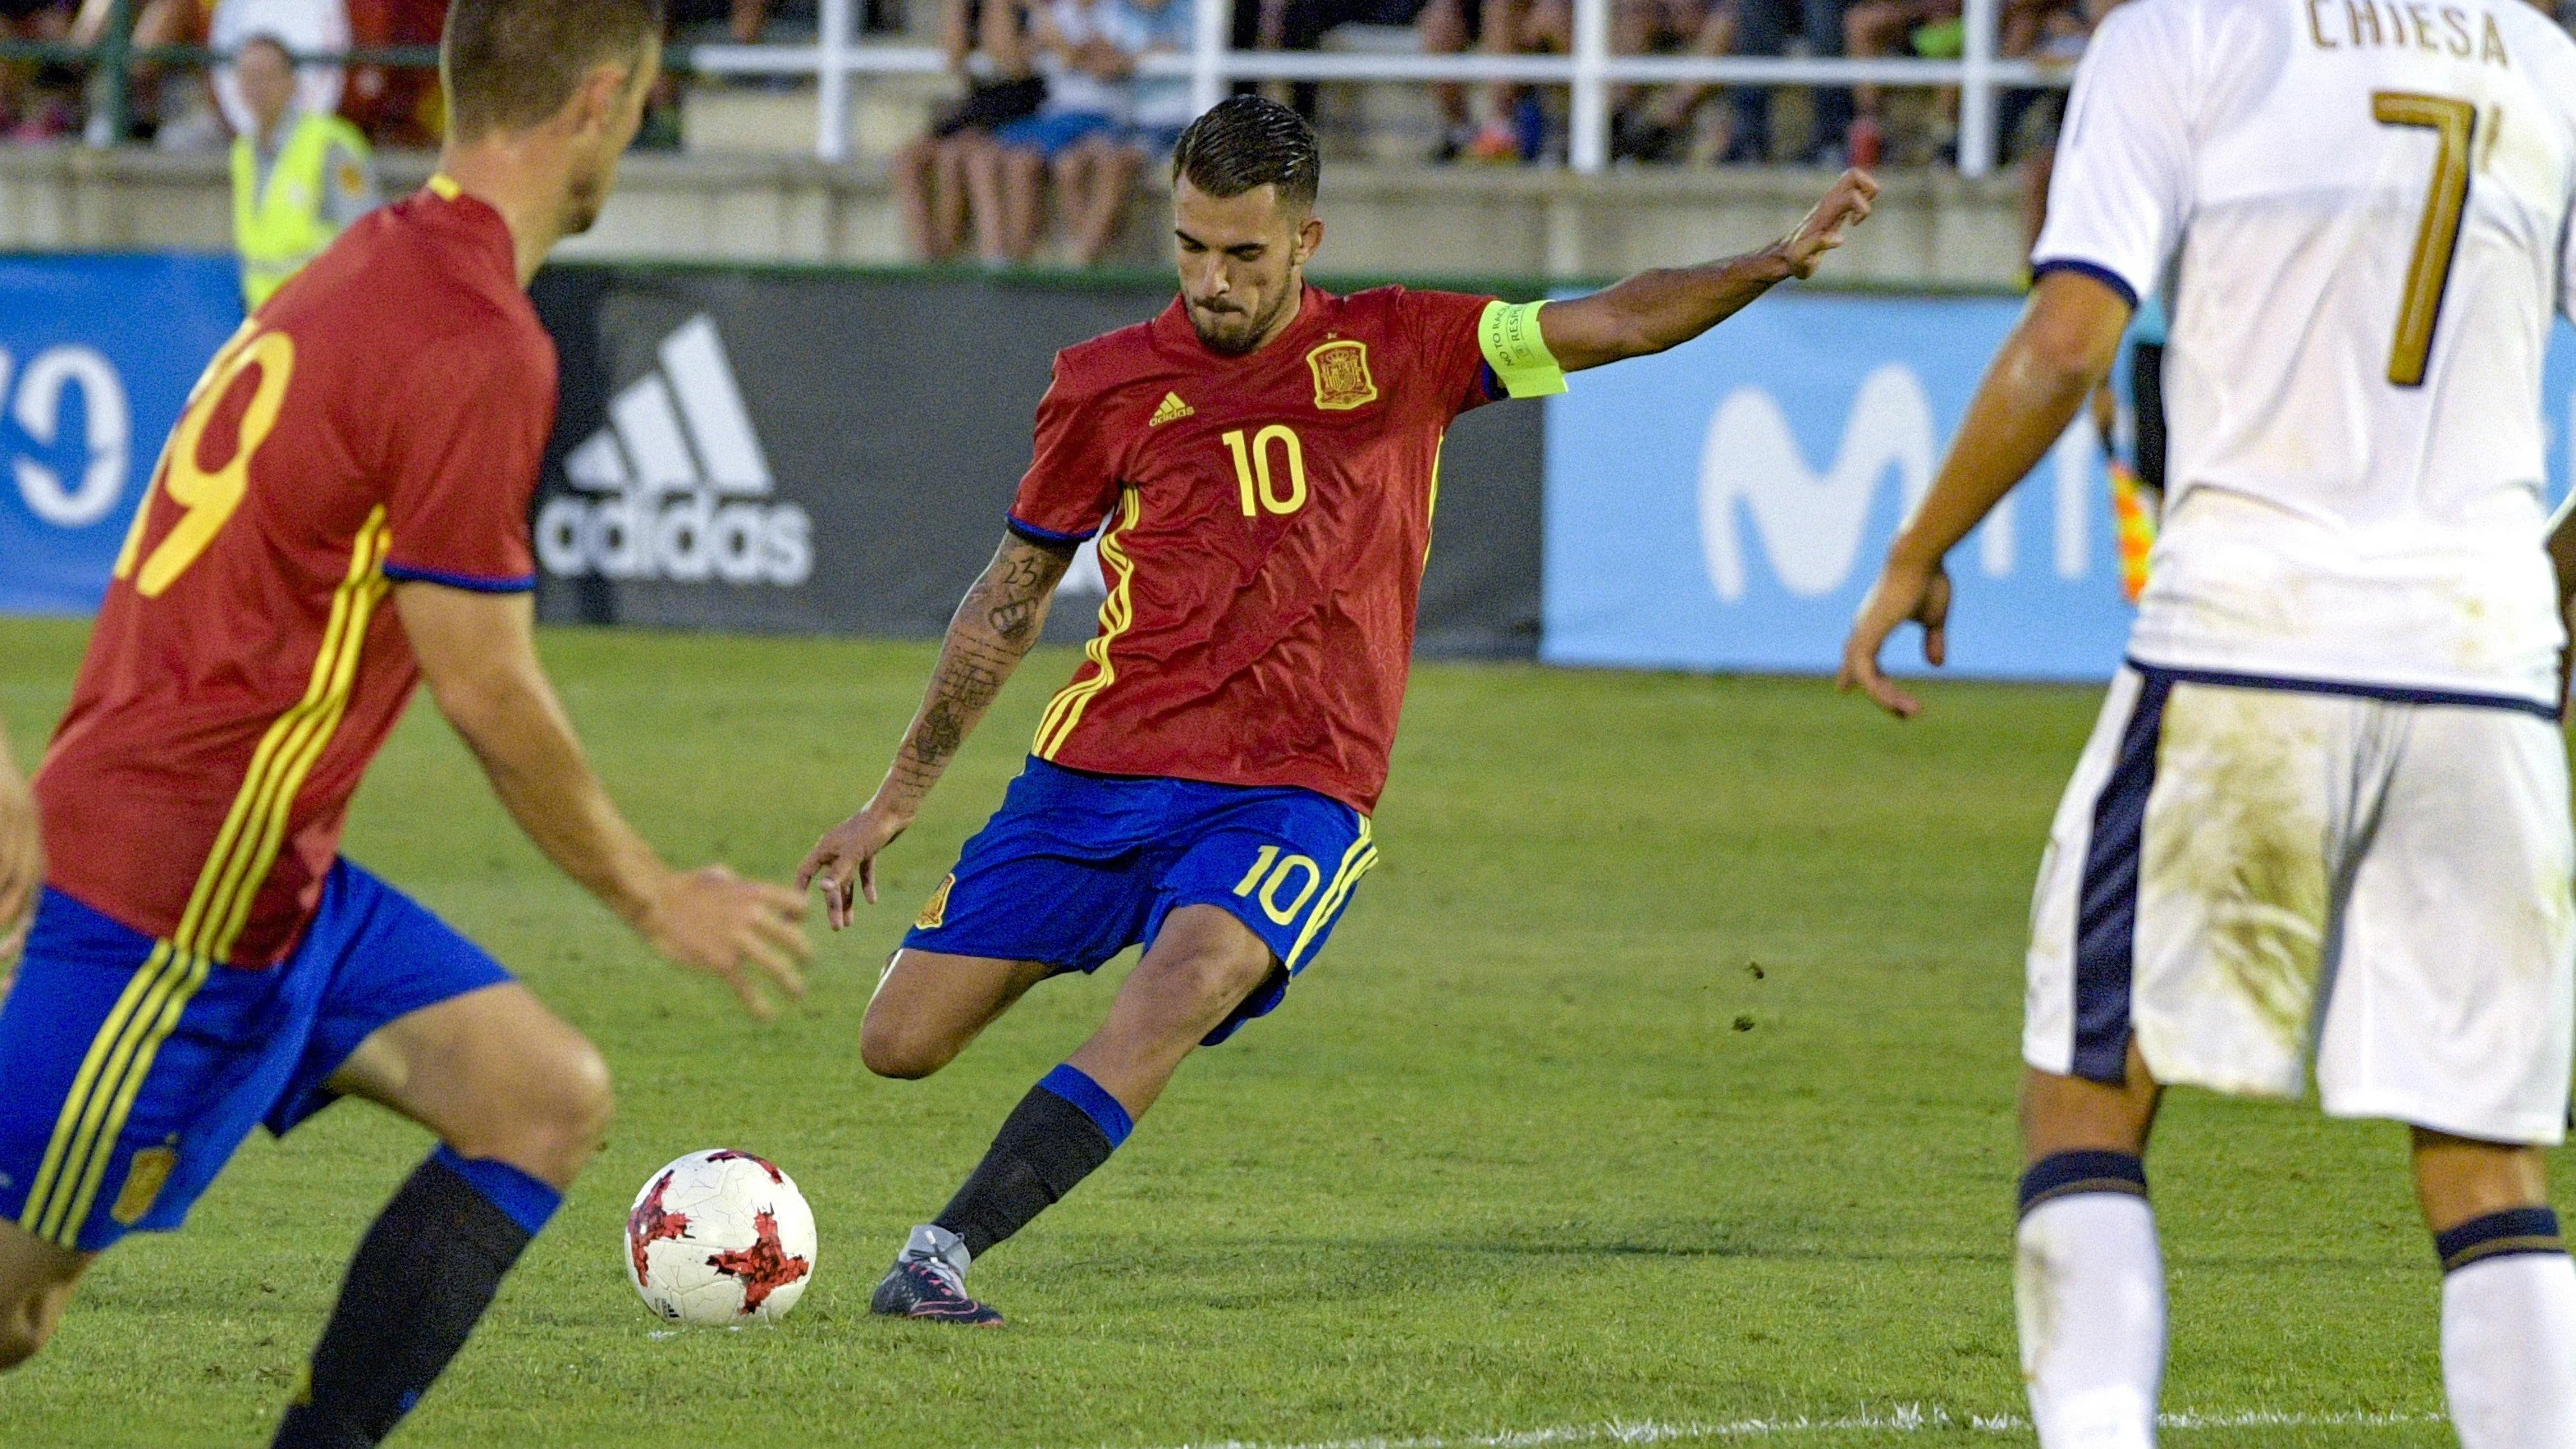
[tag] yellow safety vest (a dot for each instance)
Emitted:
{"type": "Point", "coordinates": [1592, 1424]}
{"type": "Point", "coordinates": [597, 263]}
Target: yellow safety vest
{"type": "Point", "coordinates": [279, 229]}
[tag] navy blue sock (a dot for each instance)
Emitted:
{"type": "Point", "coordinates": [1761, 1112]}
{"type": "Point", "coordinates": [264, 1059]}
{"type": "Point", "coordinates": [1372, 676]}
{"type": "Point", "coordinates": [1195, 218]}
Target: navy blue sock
{"type": "Point", "coordinates": [1058, 1135]}
{"type": "Point", "coordinates": [2497, 1235]}
{"type": "Point", "coordinates": [419, 1283]}
{"type": "Point", "coordinates": [2065, 1174]}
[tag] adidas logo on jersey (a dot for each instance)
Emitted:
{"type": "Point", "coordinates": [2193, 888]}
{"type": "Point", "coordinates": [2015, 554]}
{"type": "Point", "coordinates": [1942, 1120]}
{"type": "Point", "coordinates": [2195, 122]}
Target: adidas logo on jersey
{"type": "Point", "coordinates": [1171, 411]}
{"type": "Point", "coordinates": [681, 483]}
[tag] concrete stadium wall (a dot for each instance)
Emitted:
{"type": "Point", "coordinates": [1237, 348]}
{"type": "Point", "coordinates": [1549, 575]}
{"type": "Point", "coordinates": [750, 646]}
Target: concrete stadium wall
{"type": "Point", "coordinates": [1932, 230]}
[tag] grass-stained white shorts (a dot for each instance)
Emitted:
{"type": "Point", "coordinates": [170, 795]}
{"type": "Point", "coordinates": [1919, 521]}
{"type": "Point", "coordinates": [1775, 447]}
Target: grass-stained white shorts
{"type": "Point", "coordinates": [2247, 875]}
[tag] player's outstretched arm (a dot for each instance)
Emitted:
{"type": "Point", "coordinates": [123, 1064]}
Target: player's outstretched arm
{"type": "Point", "coordinates": [2051, 364]}
{"type": "Point", "coordinates": [22, 856]}
{"type": "Point", "coordinates": [1661, 309]}
{"type": "Point", "coordinates": [478, 653]}
{"type": "Point", "coordinates": [988, 637]}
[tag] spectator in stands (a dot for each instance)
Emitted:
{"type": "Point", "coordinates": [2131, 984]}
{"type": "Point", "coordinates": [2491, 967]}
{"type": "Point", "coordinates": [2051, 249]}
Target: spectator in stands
{"type": "Point", "coordinates": [1512, 125]}
{"type": "Point", "coordinates": [1658, 127]}
{"type": "Point", "coordinates": [33, 102]}
{"type": "Point", "coordinates": [306, 28]}
{"type": "Point", "coordinates": [1085, 72]}
{"type": "Point", "coordinates": [930, 174]}
{"type": "Point", "coordinates": [299, 177]}
{"type": "Point", "coordinates": [1095, 181]}
{"type": "Point", "coordinates": [1303, 24]}
{"type": "Point", "coordinates": [1875, 28]}
{"type": "Point", "coordinates": [396, 105]}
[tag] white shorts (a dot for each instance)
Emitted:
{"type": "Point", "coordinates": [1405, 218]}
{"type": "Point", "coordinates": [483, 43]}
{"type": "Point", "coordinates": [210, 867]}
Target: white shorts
{"type": "Point", "coordinates": [2247, 873]}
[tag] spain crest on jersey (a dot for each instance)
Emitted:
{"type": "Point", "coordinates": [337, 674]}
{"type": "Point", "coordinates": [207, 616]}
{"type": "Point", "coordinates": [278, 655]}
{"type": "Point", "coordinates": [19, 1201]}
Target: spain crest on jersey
{"type": "Point", "coordinates": [1342, 379]}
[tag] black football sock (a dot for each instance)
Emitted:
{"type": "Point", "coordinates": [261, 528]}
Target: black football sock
{"type": "Point", "coordinates": [420, 1281]}
{"type": "Point", "coordinates": [1064, 1128]}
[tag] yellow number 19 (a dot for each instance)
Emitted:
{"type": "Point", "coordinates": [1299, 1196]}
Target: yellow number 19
{"type": "Point", "coordinates": [210, 498]}
{"type": "Point", "coordinates": [2437, 240]}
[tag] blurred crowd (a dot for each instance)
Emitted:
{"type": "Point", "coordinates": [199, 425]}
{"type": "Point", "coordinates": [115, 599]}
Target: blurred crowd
{"type": "Point", "coordinates": [199, 108]}
{"type": "Point", "coordinates": [1052, 124]}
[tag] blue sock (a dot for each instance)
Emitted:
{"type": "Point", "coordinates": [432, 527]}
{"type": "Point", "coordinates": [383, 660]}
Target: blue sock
{"type": "Point", "coordinates": [2497, 1235]}
{"type": "Point", "coordinates": [2065, 1174]}
{"type": "Point", "coordinates": [1105, 1111]}
{"type": "Point", "coordinates": [529, 1201]}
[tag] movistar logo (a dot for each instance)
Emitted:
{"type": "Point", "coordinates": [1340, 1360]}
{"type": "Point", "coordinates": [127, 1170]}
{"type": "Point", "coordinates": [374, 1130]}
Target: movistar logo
{"type": "Point", "coordinates": [681, 482]}
{"type": "Point", "coordinates": [1810, 524]}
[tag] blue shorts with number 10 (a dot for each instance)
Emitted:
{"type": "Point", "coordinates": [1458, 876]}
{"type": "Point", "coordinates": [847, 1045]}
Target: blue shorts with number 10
{"type": "Point", "coordinates": [1075, 868]}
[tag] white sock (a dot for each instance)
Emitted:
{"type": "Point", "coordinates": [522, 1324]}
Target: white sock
{"type": "Point", "coordinates": [2509, 1351]}
{"type": "Point", "coordinates": [2090, 1286]}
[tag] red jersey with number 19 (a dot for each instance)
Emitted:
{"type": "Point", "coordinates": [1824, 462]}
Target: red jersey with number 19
{"type": "Point", "coordinates": [380, 419]}
{"type": "Point", "coordinates": [1263, 522]}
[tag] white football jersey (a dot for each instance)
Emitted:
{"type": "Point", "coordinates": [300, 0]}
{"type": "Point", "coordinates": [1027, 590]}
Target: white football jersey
{"type": "Point", "coordinates": [2362, 207]}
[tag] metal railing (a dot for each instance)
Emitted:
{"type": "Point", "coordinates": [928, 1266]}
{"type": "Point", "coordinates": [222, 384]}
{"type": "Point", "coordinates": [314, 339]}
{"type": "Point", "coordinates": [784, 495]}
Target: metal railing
{"type": "Point", "coordinates": [1212, 66]}
{"type": "Point", "coordinates": [836, 59]}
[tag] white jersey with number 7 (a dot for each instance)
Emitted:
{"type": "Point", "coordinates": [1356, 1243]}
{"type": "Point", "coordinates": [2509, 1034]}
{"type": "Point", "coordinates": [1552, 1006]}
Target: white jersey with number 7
{"type": "Point", "coordinates": [2362, 211]}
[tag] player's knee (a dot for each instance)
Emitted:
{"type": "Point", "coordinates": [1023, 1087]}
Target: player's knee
{"type": "Point", "coordinates": [1222, 975]}
{"type": "Point", "coordinates": [24, 1327]}
{"type": "Point", "coordinates": [571, 1104]}
{"type": "Point", "coordinates": [891, 1047]}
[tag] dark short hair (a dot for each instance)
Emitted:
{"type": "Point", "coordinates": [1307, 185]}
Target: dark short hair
{"type": "Point", "coordinates": [1249, 141]}
{"type": "Point", "coordinates": [511, 64]}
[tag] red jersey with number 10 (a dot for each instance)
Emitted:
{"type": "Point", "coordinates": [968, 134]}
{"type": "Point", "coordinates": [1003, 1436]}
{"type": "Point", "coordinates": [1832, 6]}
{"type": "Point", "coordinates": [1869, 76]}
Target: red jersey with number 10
{"type": "Point", "coordinates": [1267, 519]}
{"type": "Point", "coordinates": [379, 419]}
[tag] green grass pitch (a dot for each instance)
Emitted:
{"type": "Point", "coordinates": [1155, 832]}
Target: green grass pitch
{"type": "Point", "coordinates": [1658, 1084]}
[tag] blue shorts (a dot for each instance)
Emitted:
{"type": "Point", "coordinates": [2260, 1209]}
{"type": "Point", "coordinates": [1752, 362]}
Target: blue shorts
{"type": "Point", "coordinates": [1075, 868]}
{"type": "Point", "coordinates": [133, 1071]}
{"type": "Point", "coordinates": [1051, 134]}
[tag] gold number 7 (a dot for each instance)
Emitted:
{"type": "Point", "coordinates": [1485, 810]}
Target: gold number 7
{"type": "Point", "coordinates": [2437, 240]}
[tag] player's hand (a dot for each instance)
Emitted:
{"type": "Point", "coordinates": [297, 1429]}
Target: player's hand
{"type": "Point", "coordinates": [1845, 206]}
{"type": "Point", "coordinates": [1907, 591]}
{"type": "Point", "coordinates": [845, 857]}
{"type": "Point", "coordinates": [22, 863]}
{"type": "Point", "coordinates": [711, 921]}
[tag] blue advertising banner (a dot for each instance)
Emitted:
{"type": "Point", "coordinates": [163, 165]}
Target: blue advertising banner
{"type": "Point", "coordinates": [1724, 506]}
{"type": "Point", "coordinates": [96, 357]}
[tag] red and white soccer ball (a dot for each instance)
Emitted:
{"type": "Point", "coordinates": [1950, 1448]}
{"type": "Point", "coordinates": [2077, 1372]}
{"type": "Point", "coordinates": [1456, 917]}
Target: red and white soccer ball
{"type": "Point", "coordinates": [720, 1238]}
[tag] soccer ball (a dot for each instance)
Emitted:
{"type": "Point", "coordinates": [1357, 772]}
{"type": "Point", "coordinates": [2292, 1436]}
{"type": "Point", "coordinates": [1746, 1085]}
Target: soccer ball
{"type": "Point", "coordinates": [720, 1237]}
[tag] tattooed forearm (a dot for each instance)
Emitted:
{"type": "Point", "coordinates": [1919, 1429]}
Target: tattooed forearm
{"type": "Point", "coordinates": [994, 626]}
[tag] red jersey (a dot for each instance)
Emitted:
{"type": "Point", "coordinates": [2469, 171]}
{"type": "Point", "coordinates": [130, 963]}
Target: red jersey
{"type": "Point", "coordinates": [380, 419]}
{"type": "Point", "coordinates": [1263, 522]}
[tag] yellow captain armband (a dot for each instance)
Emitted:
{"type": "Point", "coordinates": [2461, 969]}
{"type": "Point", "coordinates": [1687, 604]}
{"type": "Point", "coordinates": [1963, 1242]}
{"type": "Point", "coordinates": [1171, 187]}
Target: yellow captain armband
{"type": "Point", "coordinates": [1517, 351]}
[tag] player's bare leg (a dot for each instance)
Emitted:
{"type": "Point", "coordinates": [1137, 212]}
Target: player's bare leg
{"type": "Point", "coordinates": [36, 1281]}
{"type": "Point", "coordinates": [496, 1075]}
{"type": "Point", "coordinates": [1202, 965]}
{"type": "Point", "coordinates": [1197, 972]}
{"type": "Point", "coordinates": [2087, 1275]}
{"type": "Point", "coordinates": [520, 1102]}
{"type": "Point", "coordinates": [2508, 1291]}
{"type": "Point", "coordinates": [928, 1006]}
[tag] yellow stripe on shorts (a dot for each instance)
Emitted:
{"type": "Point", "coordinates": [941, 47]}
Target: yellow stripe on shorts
{"type": "Point", "coordinates": [1355, 863]}
{"type": "Point", "coordinates": [246, 848]}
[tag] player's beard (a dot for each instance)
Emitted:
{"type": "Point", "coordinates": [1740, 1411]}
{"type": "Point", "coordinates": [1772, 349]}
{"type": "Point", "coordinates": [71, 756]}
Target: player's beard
{"type": "Point", "coordinates": [1232, 331]}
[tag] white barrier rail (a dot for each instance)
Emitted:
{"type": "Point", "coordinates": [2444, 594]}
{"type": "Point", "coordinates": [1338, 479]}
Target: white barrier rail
{"type": "Point", "coordinates": [1589, 73]}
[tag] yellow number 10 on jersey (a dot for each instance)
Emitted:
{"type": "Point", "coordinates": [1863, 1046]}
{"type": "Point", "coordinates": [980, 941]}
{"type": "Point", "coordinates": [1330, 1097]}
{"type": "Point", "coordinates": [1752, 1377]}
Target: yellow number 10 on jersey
{"type": "Point", "coordinates": [209, 498]}
{"type": "Point", "coordinates": [1256, 477]}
